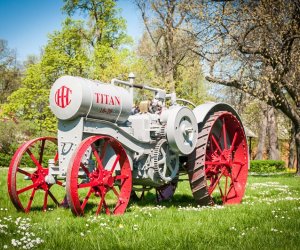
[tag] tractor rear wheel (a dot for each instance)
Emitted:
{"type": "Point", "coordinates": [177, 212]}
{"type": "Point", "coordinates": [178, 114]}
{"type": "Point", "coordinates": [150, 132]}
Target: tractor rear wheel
{"type": "Point", "coordinates": [218, 167]}
{"type": "Point", "coordinates": [99, 177]}
{"type": "Point", "coordinates": [27, 175]}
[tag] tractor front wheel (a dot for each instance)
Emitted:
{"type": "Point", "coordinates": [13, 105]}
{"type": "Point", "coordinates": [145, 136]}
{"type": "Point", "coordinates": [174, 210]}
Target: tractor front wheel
{"type": "Point", "coordinates": [99, 177]}
{"type": "Point", "coordinates": [27, 175]}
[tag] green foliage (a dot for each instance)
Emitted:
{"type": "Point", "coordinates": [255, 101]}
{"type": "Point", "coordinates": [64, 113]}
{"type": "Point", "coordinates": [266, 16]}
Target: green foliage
{"type": "Point", "coordinates": [14, 133]}
{"type": "Point", "coordinates": [190, 83]}
{"type": "Point", "coordinates": [65, 53]}
{"type": "Point", "coordinates": [30, 102]}
{"type": "Point", "coordinates": [106, 26]}
{"type": "Point", "coordinates": [267, 166]}
{"type": "Point", "coordinates": [5, 159]}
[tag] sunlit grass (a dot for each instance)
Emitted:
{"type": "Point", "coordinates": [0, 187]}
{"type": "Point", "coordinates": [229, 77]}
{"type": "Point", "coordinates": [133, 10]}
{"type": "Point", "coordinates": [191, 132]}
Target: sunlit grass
{"type": "Point", "coordinates": [268, 218]}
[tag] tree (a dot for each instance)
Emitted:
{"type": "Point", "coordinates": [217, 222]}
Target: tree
{"type": "Point", "coordinates": [9, 71]}
{"type": "Point", "coordinates": [105, 26]}
{"type": "Point", "coordinates": [257, 45]}
{"type": "Point", "coordinates": [167, 46]}
{"type": "Point", "coordinates": [64, 54]}
{"type": "Point", "coordinates": [170, 45]}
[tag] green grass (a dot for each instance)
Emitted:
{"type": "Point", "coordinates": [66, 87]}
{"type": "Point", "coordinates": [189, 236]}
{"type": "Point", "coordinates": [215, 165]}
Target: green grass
{"type": "Point", "coordinates": [268, 218]}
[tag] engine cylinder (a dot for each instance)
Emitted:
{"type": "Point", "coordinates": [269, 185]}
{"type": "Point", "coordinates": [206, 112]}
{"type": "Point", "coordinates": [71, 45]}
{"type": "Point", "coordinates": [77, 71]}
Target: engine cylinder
{"type": "Point", "coordinates": [71, 97]}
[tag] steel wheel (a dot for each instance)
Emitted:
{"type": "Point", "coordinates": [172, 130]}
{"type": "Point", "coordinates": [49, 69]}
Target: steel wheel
{"type": "Point", "coordinates": [27, 172]}
{"type": "Point", "coordinates": [219, 165]}
{"type": "Point", "coordinates": [99, 177]}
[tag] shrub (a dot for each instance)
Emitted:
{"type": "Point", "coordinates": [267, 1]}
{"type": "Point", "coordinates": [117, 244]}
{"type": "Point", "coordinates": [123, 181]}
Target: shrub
{"type": "Point", "coordinates": [267, 166]}
{"type": "Point", "coordinates": [5, 159]}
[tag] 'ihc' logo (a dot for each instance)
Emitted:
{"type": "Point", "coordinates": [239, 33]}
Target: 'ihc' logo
{"type": "Point", "coordinates": [62, 97]}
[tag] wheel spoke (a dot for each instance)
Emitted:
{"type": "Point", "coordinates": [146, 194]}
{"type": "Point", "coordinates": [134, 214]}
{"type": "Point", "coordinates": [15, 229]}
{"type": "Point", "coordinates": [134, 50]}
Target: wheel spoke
{"type": "Point", "coordinates": [84, 169]}
{"type": "Point", "coordinates": [24, 172]}
{"type": "Point", "coordinates": [59, 183]}
{"type": "Point", "coordinates": [27, 188]}
{"type": "Point", "coordinates": [115, 191]}
{"type": "Point", "coordinates": [56, 157]}
{"type": "Point", "coordinates": [42, 151]}
{"type": "Point", "coordinates": [30, 201]}
{"type": "Point", "coordinates": [45, 200]}
{"type": "Point", "coordinates": [233, 142]}
{"type": "Point", "coordinates": [35, 161]}
{"type": "Point", "coordinates": [103, 151]}
{"type": "Point", "coordinates": [97, 157]}
{"type": "Point", "coordinates": [85, 185]}
{"type": "Point", "coordinates": [53, 198]}
{"type": "Point", "coordinates": [100, 203]}
{"type": "Point", "coordinates": [224, 133]}
{"type": "Point", "coordinates": [121, 177]}
{"type": "Point", "coordinates": [215, 184]}
{"type": "Point", "coordinates": [216, 143]}
{"type": "Point", "coordinates": [107, 211]}
{"type": "Point", "coordinates": [226, 183]}
{"type": "Point", "coordinates": [115, 163]}
{"type": "Point", "coordinates": [86, 198]}
{"type": "Point", "coordinates": [161, 161]}
{"type": "Point", "coordinates": [170, 167]}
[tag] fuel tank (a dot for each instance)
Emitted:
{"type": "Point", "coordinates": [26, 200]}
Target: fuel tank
{"type": "Point", "coordinates": [72, 97]}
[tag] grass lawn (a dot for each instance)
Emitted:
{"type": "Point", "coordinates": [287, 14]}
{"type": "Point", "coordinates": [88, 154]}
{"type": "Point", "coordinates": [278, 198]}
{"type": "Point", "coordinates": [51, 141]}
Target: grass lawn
{"type": "Point", "coordinates": [268, 218]}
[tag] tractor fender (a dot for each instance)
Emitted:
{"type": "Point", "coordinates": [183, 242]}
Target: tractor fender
{"type": "Point", "coordinates": [203, 111]}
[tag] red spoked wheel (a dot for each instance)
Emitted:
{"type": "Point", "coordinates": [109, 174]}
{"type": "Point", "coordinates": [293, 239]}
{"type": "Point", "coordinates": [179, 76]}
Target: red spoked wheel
{"type": "Point", "coordinates": [27, 186]}
{"type": "Point", "coordinates": [219, 165]}
{"type": "Point", "coordinates": [99, 177]}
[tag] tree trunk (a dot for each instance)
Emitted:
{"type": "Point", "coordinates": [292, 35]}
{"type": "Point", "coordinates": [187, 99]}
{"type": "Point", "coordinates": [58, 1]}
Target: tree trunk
{"type": "Point", "coordinates": [274, 153]}
{"type": "Point", "coordinates": [262, 134]}
{"type": "Point", "coordinates": [297, 139]}
{"type": "Point", "coordinates": [292, 144]}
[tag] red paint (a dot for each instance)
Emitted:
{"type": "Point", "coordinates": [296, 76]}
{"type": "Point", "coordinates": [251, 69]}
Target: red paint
{"type": "Point", "coordinates": [108, 99]}
{"type": "Point", "coordinates": [103, 179]}
{"type": "Point", "coordinates": [62, 96]}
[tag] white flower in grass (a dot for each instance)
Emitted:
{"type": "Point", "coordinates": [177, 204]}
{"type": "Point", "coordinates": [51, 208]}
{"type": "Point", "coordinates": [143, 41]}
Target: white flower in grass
{"type": "Point", "coordinates": [58, 218]}
{"type": "Point", "coordinates": [135, 227]}
{"type": "Point", "coordinates": [121, 226]}
{"type": "Point", "coordinates": [14, 242]}
{"type": "Point", "coordinates": [5, 246]}
{"type": "Point", "coordinates": [82, 234]}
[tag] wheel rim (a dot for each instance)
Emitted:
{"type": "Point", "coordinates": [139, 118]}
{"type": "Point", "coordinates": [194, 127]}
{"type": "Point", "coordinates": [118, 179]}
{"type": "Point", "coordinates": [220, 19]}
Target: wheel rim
{"type": "Point", "coordinates": [99, 177]}
{"type": "Point", "coordinates": [218, 168]}
{"type": "Point", "coordinates": [226, 159]}
{"type": "Point", "coordinates": [28, 168]}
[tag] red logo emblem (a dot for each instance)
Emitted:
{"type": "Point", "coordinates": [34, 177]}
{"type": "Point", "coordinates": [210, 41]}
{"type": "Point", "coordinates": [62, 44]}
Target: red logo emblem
{"type": "Point", "coordinates": [62, 96]}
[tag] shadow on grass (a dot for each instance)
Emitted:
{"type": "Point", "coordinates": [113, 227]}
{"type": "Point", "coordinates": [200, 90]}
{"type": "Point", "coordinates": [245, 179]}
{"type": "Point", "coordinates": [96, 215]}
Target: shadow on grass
{"type": "Point", "coordinates": [178, 200]}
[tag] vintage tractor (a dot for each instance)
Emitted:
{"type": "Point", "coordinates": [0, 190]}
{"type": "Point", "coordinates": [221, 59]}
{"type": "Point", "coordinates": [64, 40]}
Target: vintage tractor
{"type": "Point", "coordinates": [108, 149]}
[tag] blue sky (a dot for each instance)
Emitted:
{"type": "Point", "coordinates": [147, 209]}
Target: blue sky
{"type": "Point", "coordinates": [25, 24]}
